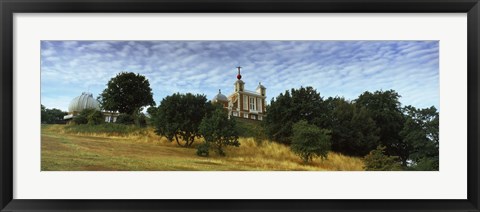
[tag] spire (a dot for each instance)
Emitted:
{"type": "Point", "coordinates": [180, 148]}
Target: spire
{"type": "Point", "coordinates": [239, 76]}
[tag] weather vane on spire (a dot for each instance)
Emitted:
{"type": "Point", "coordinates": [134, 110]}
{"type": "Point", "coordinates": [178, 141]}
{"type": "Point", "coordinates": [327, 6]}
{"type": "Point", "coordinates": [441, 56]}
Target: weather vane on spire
{"type": "Point", "coordinates": [239, 76]}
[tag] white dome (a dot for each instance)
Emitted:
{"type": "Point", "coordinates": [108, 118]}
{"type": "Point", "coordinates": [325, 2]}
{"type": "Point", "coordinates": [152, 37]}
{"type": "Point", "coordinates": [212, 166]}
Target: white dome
{"type": "Point", "coordinates": [84, 101]}
{"type": "Point", "coordinates": [220, 97]}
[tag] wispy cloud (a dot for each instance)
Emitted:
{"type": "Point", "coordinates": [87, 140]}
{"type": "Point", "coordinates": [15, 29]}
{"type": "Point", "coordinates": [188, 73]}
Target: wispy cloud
{"type": "Point", "coordinates": [334, 68]}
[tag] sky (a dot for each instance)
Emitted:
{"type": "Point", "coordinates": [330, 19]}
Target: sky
{"type": "Point", "coordinates": [333, 68]}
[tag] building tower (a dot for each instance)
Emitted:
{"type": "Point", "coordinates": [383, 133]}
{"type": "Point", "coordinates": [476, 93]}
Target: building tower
{"type": "Point", "coordinates": [239, 84]}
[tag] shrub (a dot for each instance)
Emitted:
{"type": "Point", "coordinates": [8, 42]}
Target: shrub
{"type": "Point", "coordinates": [377, 160]}
{"type": "Point", "coordinates": [309, 141]}
{"type": "Point", "coordinates": [140, 120]}
{"type": "Point", "coordinates": [83, 117]}
{"type": "Point", "coordinates": [95, 118]}
{"type": "Point", "coordinates": [111, 129]}
{"type": "Point", "coordinates": [125, 119]}
{"type": "Point", "coordinates": [203, 149]}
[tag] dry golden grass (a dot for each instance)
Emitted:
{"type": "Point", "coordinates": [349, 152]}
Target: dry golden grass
{"type": "Point", "coordinates": [144, 150]}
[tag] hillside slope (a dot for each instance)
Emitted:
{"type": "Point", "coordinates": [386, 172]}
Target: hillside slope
{"type": "Point", "coordinates": [143, 150]}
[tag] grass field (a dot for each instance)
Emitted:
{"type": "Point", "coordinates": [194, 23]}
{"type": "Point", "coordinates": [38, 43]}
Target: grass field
{"type": "Point", "coordinates": [65, 149]}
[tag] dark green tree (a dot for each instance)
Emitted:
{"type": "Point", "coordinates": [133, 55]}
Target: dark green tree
{"type": "Point", "coordinates": [218, 131]}
{"type": "Point", "coordinates": [377, 160]}
{"type": "Point", "coordinates": [421, 133]}
{"type": "Point", "coordinates": [179, 116]}
{"type": "Point", "coordinates": [127, 92]}
{"type": "Point", "coordinates": [151, 115]}
{"type": "Point", "coordinates": [385, 110]}
{"type": "Point", "coordinates": [309, 141]}
{"type": "Point", "coordinates": [126, 119]}
{"type": "Point", "coordinates": [52, 116]}
{"type": "Point", "coordinates": [353, 130]}
{"type": "Point", "coordinates": [43, 114]}
{"type": "Point", "coordinates": [290, 107]}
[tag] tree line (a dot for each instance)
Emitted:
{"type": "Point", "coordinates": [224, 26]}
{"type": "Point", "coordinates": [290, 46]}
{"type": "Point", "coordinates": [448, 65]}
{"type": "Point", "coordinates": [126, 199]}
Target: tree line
{"type": "Point", "coordinates": [374, 123]}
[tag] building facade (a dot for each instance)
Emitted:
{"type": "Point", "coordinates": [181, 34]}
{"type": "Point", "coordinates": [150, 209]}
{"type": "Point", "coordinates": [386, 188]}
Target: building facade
{"type": "Point", "coordinates": [243, 103]}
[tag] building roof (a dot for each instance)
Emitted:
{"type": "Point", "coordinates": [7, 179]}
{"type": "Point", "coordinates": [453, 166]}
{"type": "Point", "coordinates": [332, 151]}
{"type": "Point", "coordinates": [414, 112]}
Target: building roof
{"type": "Point", "coordinates": [220, 97]}
{"type": "Point", "coordinates": [239, 81]}
{"type": "Point", "coordinates": [84, 101]}
{"type": "Point", "coordinates": [260, 86]}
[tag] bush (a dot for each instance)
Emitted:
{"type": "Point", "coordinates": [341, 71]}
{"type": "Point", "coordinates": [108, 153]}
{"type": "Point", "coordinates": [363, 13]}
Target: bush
{"type": "Point", "coordinates": [426, 164]}
{"type": "Point", "coordinates": [83, 117]}
{"type": "Point", "coordinates": [140, 120]}
{"type": "Point", "coordinates": [203, 149]}
{"type": "Point", "coordinates": [376, 160]}
{"type": "Point", "coordinates": [125, 119]}
{"type": "Point", "coordinates": [95, 118]}
{"type": "Point", "coordinates": [309, 141]}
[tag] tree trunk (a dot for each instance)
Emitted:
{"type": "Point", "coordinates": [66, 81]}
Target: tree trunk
{"type": "Point", "coordinates": [192, 139]}
{"type": "Point", "coordinates": [178, 142]}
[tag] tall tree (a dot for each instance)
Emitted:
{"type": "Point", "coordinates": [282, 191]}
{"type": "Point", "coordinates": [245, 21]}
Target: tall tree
{"type": "Point", "coordinates": [421, 134]}
{"type": "Point", "coordinates": [127, 92]}
{"type": "Point", "coordinates": [179, 116]}
{"type": "Point", "coordinates": [353, 130]}
{"type": "Point", "coordinates": [384, 108]}
{"type": "Point", "coordinates": [298, 104]}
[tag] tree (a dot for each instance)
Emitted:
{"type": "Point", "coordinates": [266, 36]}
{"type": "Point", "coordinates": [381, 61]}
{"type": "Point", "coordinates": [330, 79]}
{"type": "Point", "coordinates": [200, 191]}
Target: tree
{"type": "Point", "coordinates": [126, 119]}
{"type": "Point", "coordinates": [420, 134]}
{"type": "Point", "coordinates": [309, 141]}
{"type": "Point", "coordinates": [377, 160]}
{"type": "Point", "coordinates": [43, 114]}
{"type": "Point", "coordinates": [384, 108]}
{"type": "Point", "coordinates": [126, 93]}
{"type": "Point", "coordinates": [293, 106]}
{"type": "Point", "coordinates": [52, 116]}
{"type": "Point", "coordinates": [353, 130]}
{"type": "Point", "coordinates": [218, 131]}
{"type": "Point", "coordinates": [179, 116]}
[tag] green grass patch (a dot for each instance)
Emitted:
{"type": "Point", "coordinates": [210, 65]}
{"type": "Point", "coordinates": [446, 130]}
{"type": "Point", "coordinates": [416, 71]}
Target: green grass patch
{"type": "Point", "coordinates": [106, 128]}
{"type": "Point", "coordinates": [250, 128]}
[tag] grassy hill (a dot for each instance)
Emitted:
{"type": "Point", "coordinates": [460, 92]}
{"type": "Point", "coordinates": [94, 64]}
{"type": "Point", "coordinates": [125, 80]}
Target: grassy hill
{"type": "Point", "coordinates": [117, 147]}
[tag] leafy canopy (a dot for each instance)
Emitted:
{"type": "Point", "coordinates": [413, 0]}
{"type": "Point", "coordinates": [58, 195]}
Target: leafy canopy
{"type": "Point", "coordinates": [127, 92]}
{"type": "Point", "coordinates": [420, 134]}
{"type": "Point", "coordinates": [218, 131]}
{"type": "Point", "coordinates": [179, 116]}
{"type": "Point", "coordinates": [309, 141]}
{"type": "Point", "coordinates": [384, 108]}
{"type": "Point", "coordinates": [52, 116]}
{"type": "Point", "coordinates": [353, 130]}
{"type": "Point", "coordinates": [377, 160]}
{"type": "Point", "coordinates": [290, 107]}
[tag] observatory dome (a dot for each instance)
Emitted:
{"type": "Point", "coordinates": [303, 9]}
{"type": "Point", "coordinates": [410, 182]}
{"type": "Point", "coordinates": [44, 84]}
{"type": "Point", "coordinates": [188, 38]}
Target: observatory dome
{"type": "Point", "coordinates": [220, 97]}
{"type": "Point", "coordinates": [84, 101]}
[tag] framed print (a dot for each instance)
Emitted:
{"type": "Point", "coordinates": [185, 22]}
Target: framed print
{"type": "Point", "coordinates": [264, 105]}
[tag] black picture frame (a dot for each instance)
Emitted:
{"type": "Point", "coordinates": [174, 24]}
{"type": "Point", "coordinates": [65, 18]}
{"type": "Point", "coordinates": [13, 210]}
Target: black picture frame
{"type": "Point", "coordinates": [9, 7]}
